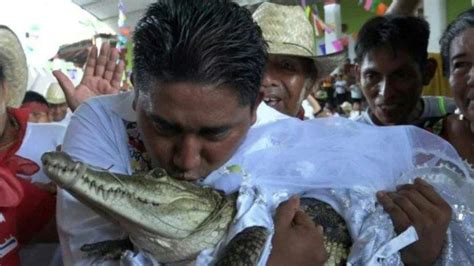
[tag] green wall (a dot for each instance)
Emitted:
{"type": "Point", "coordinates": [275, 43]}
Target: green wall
{"type": "Point", "coordinates": [457, 6]}
{"type": "Point", "coordinates": [354, 15]}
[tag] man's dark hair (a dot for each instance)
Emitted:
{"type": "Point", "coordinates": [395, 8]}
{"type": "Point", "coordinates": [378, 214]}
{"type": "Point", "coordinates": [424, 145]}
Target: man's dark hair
{"type": "Point", "coordinates": [2, 76]}
{"type": "Point", "coordinates": [32, 96]}
{"type": "Point", "coordinates": [464, 21]}
{"type": "Point", "coordinates": [213, 42]}
{"type": "Point", "coordinates": [398, 33]}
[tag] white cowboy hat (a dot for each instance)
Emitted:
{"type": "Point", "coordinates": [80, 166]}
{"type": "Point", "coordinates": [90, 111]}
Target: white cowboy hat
{"type": "Point", "coordinates": [54, 94]}
{"type": "Point", "coordinates": [287, 31]}
{"type": "Point", "coordinates": [13, 64]}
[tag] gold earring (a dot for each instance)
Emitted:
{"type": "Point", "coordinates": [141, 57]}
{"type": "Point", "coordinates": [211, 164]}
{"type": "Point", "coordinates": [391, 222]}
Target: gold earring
{"type": "Point", "coordinates": [460, 115]}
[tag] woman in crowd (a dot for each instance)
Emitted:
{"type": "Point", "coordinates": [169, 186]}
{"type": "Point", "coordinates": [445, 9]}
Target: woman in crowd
{"type": "Point", "coordinates": [457, 48]}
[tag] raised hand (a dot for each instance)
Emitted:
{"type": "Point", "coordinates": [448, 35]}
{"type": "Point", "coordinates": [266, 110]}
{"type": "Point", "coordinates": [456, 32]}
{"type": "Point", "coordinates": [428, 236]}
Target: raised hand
{"type": "Point", "coordinates": [297, 240]}
{"type": "Point", "coordinates": [418, 205]}
{"type": "Point", "coordinates": [102, 75]}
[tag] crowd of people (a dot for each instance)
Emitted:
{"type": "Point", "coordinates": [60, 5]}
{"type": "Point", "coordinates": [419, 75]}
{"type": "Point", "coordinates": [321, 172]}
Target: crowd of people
{"type": "Point", "coordinates": [209, 77]}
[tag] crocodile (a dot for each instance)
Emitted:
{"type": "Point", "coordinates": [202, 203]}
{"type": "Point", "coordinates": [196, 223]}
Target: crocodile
{"type": "Point", "coordinates": [175, 220]}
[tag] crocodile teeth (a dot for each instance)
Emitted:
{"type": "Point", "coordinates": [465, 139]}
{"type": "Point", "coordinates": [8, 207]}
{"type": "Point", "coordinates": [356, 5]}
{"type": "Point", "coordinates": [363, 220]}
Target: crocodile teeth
{"type": "Point", "coordinates": [105, 195]}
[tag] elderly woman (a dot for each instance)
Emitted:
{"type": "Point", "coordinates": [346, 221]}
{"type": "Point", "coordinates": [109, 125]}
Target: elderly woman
{"type": "Point", "coordinates": [457, 47]}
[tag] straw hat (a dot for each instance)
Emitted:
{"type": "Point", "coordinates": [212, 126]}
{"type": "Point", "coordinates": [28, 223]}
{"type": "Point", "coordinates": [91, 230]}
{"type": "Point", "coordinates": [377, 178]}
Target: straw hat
{"type": "Point", "coordinates": [346, 107]}
{"type": "Point", "coordinates": [54, 94]}
{"type": "Point", "coordinates": [13, 63]}
{"type": "Point", "coordinates": [287, 31]}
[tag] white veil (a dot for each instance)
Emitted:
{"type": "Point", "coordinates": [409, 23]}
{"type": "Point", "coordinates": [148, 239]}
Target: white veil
{"type": "Point", "coordinates": [345, 163]}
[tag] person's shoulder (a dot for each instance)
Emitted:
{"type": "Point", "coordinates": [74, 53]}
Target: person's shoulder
{"type": "Point", "coordinates": [267, 114]}
{"type": "Point", "coordinates": [363, 117]}
{"type": "Point", "coordinates": [109, 100]}
{"type": "Point", "coordinates": [109, 105]}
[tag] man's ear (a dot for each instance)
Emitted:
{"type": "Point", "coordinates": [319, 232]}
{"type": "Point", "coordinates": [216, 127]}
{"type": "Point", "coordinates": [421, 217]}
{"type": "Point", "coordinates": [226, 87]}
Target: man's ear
{"type": "Point", "coordinates": [131, 79]}
{"type": "Point", "coordinates": [135, 99]}
{"type": "Point", "coordinates": [357, 72]}
{"type": "Point", "coordinates": [430, 71]}
{"type": "Point", "coordinates": [258, 101]}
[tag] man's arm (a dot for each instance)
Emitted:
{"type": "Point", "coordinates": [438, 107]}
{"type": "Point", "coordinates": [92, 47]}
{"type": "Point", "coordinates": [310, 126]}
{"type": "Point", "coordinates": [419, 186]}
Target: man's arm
{"type": "Point", "coordinates": [403, 7]}
{"type": "Point", "coordinates": [91, 138]}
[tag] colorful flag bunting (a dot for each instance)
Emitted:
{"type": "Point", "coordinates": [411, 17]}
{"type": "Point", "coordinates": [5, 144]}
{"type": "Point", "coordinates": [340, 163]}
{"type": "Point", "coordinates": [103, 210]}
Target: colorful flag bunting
{"type": "Point", "coordinates": [368, 5]}
{"type": "Point", "coordinates": [323, 49]}
{"type": "Point", "coordinates": [337, 44]}
{"type": "Point", "coordinates": [381, 9]}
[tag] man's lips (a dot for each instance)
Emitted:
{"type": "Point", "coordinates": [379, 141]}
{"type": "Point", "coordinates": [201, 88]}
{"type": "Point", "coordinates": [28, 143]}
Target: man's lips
{"type": "Point", "coordinates": [389, 107]}
{"type": "Point", "coordinates": [272, 100]}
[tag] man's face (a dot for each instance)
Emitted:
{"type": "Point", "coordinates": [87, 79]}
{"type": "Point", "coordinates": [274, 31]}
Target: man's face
{"type": "Point", "coordinates": [461, 76]}
{"type": "Point", "coordinates": [392, 85]}
{"type": "Point", "coordinates": [57, 112]}
{"type": "Point", "coordinates": [38, 116]}
{"type": "Point", "coordinates": [191, 129]}
{"type": "Point", "coordinates": [287, 82]}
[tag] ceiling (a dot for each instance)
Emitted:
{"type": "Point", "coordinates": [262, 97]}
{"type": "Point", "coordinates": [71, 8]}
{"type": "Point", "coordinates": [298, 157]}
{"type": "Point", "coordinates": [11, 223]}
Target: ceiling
{"type": "Point", "coordinates": [107, 10]}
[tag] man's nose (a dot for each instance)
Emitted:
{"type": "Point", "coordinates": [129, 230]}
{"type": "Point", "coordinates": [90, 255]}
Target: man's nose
{"type": "Point", "coordinates": [188, 153]}
{"type": "Point", "coordinates": [386, 89]}
{"type": "Point", "coordinates": [470, 80]}
{"type": "Point", "coordinates": [270, 77]}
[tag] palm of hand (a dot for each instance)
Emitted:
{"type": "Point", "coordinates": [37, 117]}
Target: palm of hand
{"type": "Point", "coordinates": [93, 86]}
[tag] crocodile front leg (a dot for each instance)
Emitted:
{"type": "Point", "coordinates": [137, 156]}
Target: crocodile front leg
{"type": "Point", "coordinates": [245, 248]}
{"type": "Point", "coordinates": [108, 250]}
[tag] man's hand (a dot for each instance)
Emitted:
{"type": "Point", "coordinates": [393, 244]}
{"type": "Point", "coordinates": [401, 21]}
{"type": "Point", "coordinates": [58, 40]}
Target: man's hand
{"type": "Point", "coordinates": [418, 205]}
{"type": "Point", "coordinates": [297, 240]}
{"type": "Point", "coordinates": [102, 75]}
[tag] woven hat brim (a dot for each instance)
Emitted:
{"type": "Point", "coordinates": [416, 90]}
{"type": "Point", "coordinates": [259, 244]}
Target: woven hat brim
{"type": "Point", "coordinates": [13, 62]}
{"type": "Point", "coordinates": [325, 64]}
{"type": "Point", "coordinates": [56, 101]}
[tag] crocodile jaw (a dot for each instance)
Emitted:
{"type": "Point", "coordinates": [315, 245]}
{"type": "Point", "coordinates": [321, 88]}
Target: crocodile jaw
{"type": "Point", "coordinates": [60, 168]}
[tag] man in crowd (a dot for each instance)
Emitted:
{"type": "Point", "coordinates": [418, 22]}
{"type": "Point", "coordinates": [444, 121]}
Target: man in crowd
{"type": "Point", "coordinates": [58, 109]}
{"type": "Point", "coordinates": [293, 68]}
{"type": "Point", "coordinates": [38, 107]}
{"type": "Point", "coordinates": [220, 59]}
{"type": "Point", "coordinates": [393, 66]}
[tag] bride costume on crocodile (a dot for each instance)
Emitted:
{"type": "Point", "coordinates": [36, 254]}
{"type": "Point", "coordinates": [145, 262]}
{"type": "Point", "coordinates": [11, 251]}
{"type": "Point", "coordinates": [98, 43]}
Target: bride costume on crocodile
{"type": "Point", "coordinates": [344, 164]}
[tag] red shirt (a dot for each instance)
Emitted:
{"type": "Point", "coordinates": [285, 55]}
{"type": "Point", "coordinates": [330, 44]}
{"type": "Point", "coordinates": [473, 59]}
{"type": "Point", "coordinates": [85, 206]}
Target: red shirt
{"type": "Point", "coordinates": [24, 208]}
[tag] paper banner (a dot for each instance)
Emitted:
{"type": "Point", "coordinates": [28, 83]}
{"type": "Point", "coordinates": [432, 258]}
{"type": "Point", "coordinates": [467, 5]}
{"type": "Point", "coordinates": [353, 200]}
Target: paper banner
{"type": "Point", "coordinates": [338, 45]}
{"type": "Point", "coordinates": [317, 30]}
{"type": "Point", "coordinates": [368, 5]}
{"type": "Point", "coordinates": [381, 9]}
{"type": "Point", "coordinates": [375, 4]}
{"type": "Point", "coordinates": [307, 11]}
{"type": "Point", "coordinates": [124, 31]}
{"type": "Point", "coordinates": [323, 49]}
{"type": "Point", "coordinates": [121, 16]}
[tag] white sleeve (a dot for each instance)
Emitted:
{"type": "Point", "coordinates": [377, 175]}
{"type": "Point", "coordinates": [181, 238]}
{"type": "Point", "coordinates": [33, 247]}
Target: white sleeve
{"type": "Point", "coordinates": [92, 138]}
